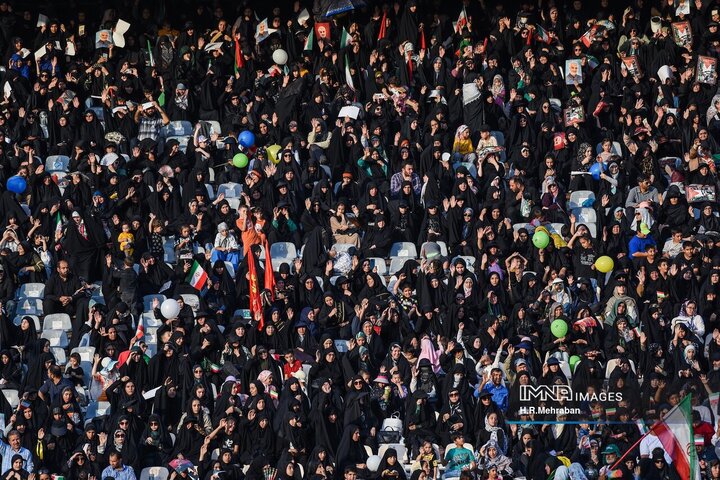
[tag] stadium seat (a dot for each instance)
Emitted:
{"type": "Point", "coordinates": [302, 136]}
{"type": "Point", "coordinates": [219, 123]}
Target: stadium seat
{"type": "Point", "coordinates": [58, 338]}
{"type": "Point", "coordinates": [31, 290]}
{"type": "Point", "coordinates": [231, 190]}
{"type": "Point", "coordinates": [148, 301]}
{"type": "Point", "coordinates": [183, 141]}
{"type": "Point", "coordinates": [177, 128]}
{"type": "Point", "coordinates": [284, 250]}
{"type": "Point", "coordinates": [396, 264]}
{"type": "Point", "coordinates": [403, 249]}
{"type": "Point", "coordinates": [341, 346]}
{"type": "Point", "coordinates": [192, 300]}
{"type": "Point", "coordinates": [60, 355]}
{"type": "Point", "coordinates": [86, 353]}
{"type": "Point", "coordinates": [585, 215]}
{"type": "Point", "coordinates": [340, 247]}
{"type": "Point", "coordinates": [57, 163]}
{"type": "Point", "coordinates": [154, 473]}
{"type": "Point", "coordinates": [57, 321]}
{"type": "Point", "coordinates": [12, 396]}
{"type": "Point", "coordinates": [579, 198]}
{"type": "Point", "coordinates": [526, 226]}
{"type": "Point", "coordinates": [230, 269]}
{"type": "Point", "coordinates": [29, 306]}
{"type": "Point", "coordinates": [379, 264]}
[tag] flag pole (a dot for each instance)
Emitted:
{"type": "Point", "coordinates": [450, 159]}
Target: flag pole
{"type": "Point", "coordinates": [632, 447]}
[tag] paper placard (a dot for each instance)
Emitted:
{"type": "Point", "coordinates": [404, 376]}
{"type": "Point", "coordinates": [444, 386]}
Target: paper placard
{"type": "Point", "coordinates": [42, 20]}
{"type": "Point", "coordinates": [304, 16]}
{"type": "Point", "coordinates": [40, 52]}
{"type": "Point", "coordinates": [119, 33]}
{"type": "Point", "coordinates": [664, 73]}
{"type": "Point", "coordinates": [7, 90]}
{"type": "Point", "coordinates": [151, 393]}
{"type": "Point", "coordinates": [213, 46]}
{"type": "Point", "coordinates": [349, 111]}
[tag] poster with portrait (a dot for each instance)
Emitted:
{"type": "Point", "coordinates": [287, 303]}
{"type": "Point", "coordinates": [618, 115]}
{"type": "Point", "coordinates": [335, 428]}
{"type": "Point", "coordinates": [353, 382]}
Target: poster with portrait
{"type": "Point", "coordinates": [682, 34]}
{"type": "Point", "coordinates": [263, 30]}
{"type": "Point", "coordinates": [559, 141]}
{"type": "Point", "coordinates": [573, 71]}
{"type": "Point", "coordinates": [322, 31]}
{"type": "Point", "coordinates": [103, 39]}
{"type": "Point", "coordinates": [631, 65]}
{"type": "Point", "coordinates": [574, 114]}
{"type": "Point", "coordinates": [706, 70]}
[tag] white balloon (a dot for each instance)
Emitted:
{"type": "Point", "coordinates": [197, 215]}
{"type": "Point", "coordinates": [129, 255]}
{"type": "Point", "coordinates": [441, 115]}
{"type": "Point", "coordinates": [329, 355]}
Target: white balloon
{"type": "Point", "coordinates": [280, 56]}
{"type": "Point", "coordinates": [373, 463]}
{"type": "Point", "coordinates": [170, 308]}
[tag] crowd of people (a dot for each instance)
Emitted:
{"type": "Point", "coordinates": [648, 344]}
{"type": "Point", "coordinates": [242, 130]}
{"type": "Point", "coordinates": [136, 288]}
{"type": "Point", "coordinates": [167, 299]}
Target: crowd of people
{"type": "Point", "coordinates": [479, 200]}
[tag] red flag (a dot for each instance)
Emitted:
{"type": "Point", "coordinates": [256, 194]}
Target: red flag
{"type": "Point", "coordinates": [256, 311]}
{"type": "Point", "coordinates": [382, 33]}
{"type": "Point", "coordinates": [269, 274]}
{"type": "Point", "coordinates": [239, 60]}
{"type": "Point", "coordinates": [423, 46]}
{"type": "Point", "coordinates": [410, 68]}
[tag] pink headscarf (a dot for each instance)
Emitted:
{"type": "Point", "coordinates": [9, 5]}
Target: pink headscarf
{"type": "Point", "coordinates": [427, 350]}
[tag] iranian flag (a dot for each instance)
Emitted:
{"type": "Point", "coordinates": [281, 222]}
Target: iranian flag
{"type": "Point", "coordinates": [309, 41]}
{"type": "Point", "coordinates": [462, 21]}
{"type": "Point", "coordinates": [140, 331]}
{"type": "Point", "coordinates": [675, 432]}
{"type": "Point", "coordinates": [197, 278]}
{"type": "Point", "coordinates": [344, 38]}
{"type": "Point", "coordinates": [239, 61]}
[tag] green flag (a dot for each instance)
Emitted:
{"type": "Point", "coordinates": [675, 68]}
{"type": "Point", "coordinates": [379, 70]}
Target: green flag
{"type": "Point", "coordinates": [152, 60]}
{"type": "Point", "coordinates": [344, 38]}
{"type": "Point", "coordinates": [309, 42]}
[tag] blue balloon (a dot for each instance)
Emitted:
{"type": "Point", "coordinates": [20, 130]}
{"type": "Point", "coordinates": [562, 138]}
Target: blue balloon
{"type": "Point", "coordinates": [16, 184]}
{"type": "Point", "coordinates": [247, 139]}
{"type": "Point", "coordinates": [596, 169]}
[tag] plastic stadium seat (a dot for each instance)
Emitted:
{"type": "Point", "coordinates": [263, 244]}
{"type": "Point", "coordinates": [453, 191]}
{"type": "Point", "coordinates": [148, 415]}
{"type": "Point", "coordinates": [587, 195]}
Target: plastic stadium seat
{"type": "Point", "coordinates": [60, 356]}
{"type": "Point", "coordinates": [31, 290]}
{"type": "Point", "coordinates": [192, 300]}
{"type": "Point", "coordinates": [154, 473]}
{"type": "Point", "coordinates": [12, 396]}
{"type": "Point", "coordinates": [58, 338]}
{"type": "Point", "coordinates": [57, 163]}
{"type": "Point", "coordinates": [29, 306]}
{"type": "Point", "coordinates": [340, 247]}
{"type": "Point", "coordinates": [57, 321]}
{"type": "Point", "coordinates": [231, 190]}
{"type": "Point", "coordinates": [86, 353]}
{"type": "Point", "coordinates": [396, 264]}
{"type": "Point", "coordinates": [284, 250]}
{"type": "Point", "coordinates": [585, 215]}
{"type": "Point", "coordinates": [403, 249]}
{"type": "Point", "coordinates": [183, 141]}
{"type": "Point", "coordinates": [579, 197]}
{"type": "Point", "coordinates": [380, 264]}
{"type": "Point", "coordinates": [178, 128]}
{"type": "Point", "coordinates": [148, 301]}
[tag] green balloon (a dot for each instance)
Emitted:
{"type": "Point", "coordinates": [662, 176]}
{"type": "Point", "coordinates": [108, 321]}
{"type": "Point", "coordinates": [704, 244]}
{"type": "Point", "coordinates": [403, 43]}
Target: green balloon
{"type": "Point", "coordinates": [574, 360]}
{"type": "Point", "coordinates": [558, 328]}
{"type": "Point", "coordinates": [240, 160]}
{"type": "Point", "coordinates": [541, 239]}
